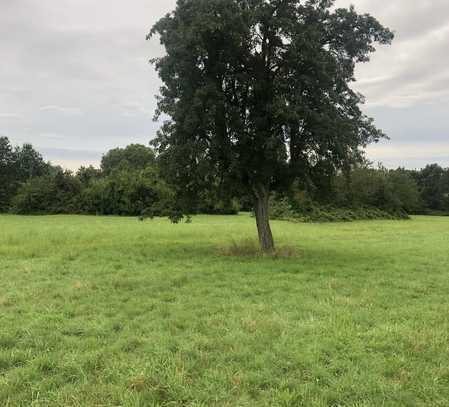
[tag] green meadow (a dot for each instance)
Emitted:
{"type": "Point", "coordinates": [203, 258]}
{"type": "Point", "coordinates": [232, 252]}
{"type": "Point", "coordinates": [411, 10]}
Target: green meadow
{"type": "Point", "coordinates": [106, 311]}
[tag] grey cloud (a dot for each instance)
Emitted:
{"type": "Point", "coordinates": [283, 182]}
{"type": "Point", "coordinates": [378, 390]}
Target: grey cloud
{"type": "Point", "coordinates": [78, 75]}
{"type": "Point", "coordinates": [409, 19]}
{"type": "Point", "coordinates": [413, 71]}
{"type": "Point", "coordinates": [10, 116]}
{"type": "Point", "coordinates": [70, 111]}
{"type": "Point", "coordinates": [77, 81]}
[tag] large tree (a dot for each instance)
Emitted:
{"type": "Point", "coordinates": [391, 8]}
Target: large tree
{"type": "Point", "coordinates": [258, 94]}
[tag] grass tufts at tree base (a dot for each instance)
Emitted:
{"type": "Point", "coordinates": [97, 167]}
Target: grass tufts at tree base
{"type": "Point", "coordinates": [251, 248]}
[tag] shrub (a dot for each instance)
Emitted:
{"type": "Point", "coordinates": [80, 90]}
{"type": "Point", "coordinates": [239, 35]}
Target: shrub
{"type": "Point", "coordinates": [282, 209]}
{"type": "Point", "coordinates": [55, 193]}
{"type": "Point", "coordinates": [126, 192]}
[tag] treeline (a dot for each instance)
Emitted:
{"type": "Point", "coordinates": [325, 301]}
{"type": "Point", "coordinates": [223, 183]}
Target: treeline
{"type": "Point", "coordinates": [130, 182]}
{"type": "Point", "coordinates": [361, 193]}
{"type": "Point", "coordinates": [365, 192]}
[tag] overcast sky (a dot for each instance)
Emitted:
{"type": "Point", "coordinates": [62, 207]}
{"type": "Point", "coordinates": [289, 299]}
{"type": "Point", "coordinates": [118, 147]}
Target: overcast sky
{"type": "Point", "coordinates": [75, 79]}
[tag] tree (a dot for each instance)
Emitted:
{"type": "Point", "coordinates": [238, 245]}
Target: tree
{"type": "Point", "coordinates": [7, 173]}
{"type": "Point", "coordinates": [17, 165]}
{"type": "Point", "coordinates": [258, 94]}
{"type": "Point", "coordinates": [434, 192]}
{"type": "Point", "coordinates": [29, 163]}
{"type": "Point", "coordinates": [134, 156]}
{"type": "Point", "coordinates": [405, 190]}
{"type": "Point", "coordinates": [86, 175]}
{"type": "Point", "coordinates": [393, 191]}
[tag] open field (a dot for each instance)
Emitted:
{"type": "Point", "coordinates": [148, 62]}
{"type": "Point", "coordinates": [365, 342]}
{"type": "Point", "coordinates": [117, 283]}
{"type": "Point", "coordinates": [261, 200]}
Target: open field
{"type": "Point", "coordinates": [116, 312]}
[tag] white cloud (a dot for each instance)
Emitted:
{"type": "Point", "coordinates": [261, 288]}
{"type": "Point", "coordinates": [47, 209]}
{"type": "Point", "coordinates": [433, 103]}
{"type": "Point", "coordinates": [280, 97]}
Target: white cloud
{"type": "Point", "coordinates": [410, 155]}
{"type": "Point", "coordinates": [404, 74]}
{"type": "Point", "coordinates": [69, 111]}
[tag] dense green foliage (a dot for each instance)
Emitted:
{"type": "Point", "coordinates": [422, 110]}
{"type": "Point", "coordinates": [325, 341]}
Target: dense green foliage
{"type": "Point", "coordinates": [115, 312]}
{"type": "Point", "coordinates": [258, 95]}
{"type": "Point", "coordinates": [133, 157]}
{"type": "Point", "coordinates": [17, 165]}
{"type": "Point", "coordinates": [433, 184]}
{"type": "Point", "coordinates": [130, 181]}
{"type": "Point", "coordinates": [363, 193]}
{"type": "Point", "coordinates": [287, 209]}
{"type": "Point", "coordinates": [55, 192]}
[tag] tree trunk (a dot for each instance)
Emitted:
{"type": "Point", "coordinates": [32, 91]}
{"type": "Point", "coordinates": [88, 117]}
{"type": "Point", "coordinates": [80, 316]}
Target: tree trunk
{"type": "Point", "coordinates": [263, 220]}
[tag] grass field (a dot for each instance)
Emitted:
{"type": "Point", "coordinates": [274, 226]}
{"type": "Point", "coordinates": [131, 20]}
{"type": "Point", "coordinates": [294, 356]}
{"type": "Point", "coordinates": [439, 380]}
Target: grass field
{"type": "Point", "coordinates": [117, 312]}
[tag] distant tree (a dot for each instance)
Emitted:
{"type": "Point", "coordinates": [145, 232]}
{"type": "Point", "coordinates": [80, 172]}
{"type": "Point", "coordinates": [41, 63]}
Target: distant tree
{"type": "Point", "coordinates": [8, 178]}
{"type": "Point", "coordinates": [16, 166]}
{"type": "Point", "coordinates": [404, 190]}
{"type": "Point", "coordinates": [432, 185]}
{"type": "Point", "coordinates": [367, 187]}
{"type": "Point", "coordinates": [389, 190]}
{"type": "Point", "coordinates": [445, 188]}
{"type": "Point", "coordinates": [258, 94]}
{"type": "Point", "coordinates": [6, 154]}
{"type": "Point", "coordinates": [29, 162]}
{"type": "Point", "coordinates": [134, 156]}
{"type": "Point", "coordinates": [86, 175]}
{"type": "Point", "coordinates": [430, 182]}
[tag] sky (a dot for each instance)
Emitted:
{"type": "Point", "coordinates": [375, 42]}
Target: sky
{"type": "Point", "coordinates": [75, 80]}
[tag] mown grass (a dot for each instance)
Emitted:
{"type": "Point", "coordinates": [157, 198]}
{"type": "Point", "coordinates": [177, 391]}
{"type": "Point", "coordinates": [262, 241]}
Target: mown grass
{"type": "Point", "coordinates": [116, 312]}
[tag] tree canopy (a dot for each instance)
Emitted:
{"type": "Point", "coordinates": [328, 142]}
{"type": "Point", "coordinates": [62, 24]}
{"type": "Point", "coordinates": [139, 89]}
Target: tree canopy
{"type": "Point", "coordinates": [133, 156]}
{"type": "Point", "coordinates": [258, 94]}
{"type": "Point", "coordinates": [17, 165]}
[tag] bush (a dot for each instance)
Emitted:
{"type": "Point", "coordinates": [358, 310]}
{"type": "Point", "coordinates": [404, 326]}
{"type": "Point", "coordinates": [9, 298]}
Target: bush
{"type": "Point", "coordinates": [389, 190]}
{"type": "Point", "coordinates": [281, 208]}
{"type": "Point", "coordinates": [55, 193]}
{"type": "Point", "coordinates": [126, 192]}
